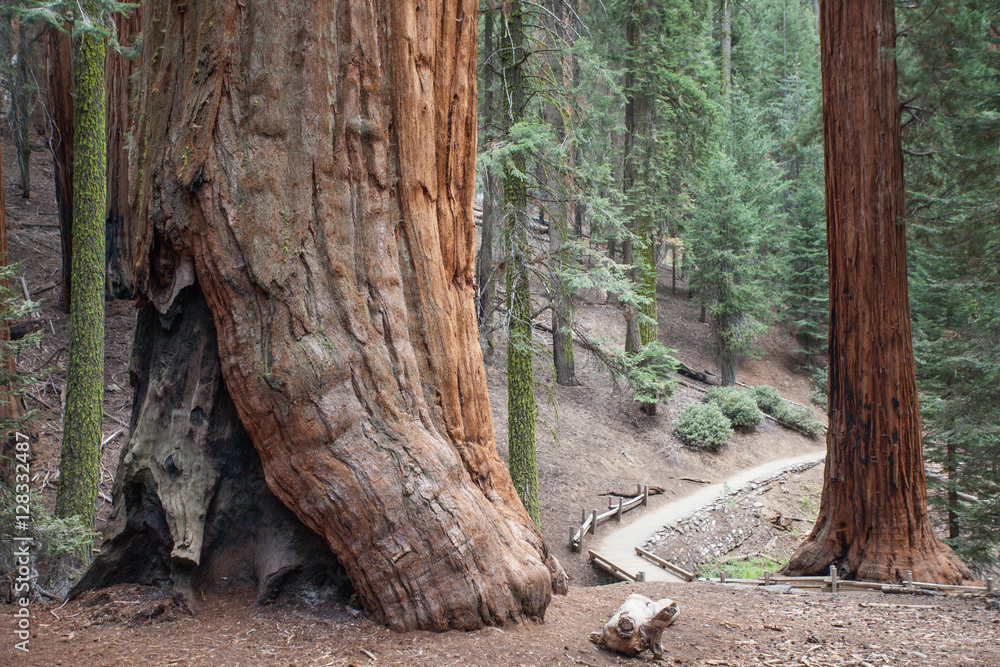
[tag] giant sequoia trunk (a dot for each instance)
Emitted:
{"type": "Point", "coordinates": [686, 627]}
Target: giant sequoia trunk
{"type": "Point", "coordinates": [310, 166]}
{"type": "Point", "coordinates": [873, 521]}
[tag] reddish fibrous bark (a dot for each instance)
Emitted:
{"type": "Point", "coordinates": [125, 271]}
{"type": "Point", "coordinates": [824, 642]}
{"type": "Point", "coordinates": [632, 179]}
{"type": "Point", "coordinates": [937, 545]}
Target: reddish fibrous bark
{"type": "Point", "coordinates": [59, 67]}
{"type": "Point", "coordinates": [311, 166]}
{"type": "Point", "coordinates": [118, 85]}
{"type": "Point", "coordinates": [873, 522]}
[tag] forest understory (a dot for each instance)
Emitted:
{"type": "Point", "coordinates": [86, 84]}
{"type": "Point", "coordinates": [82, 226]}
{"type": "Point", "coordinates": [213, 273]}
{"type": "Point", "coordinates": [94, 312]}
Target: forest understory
{"type": "Point", "coordinates": [591, 443]}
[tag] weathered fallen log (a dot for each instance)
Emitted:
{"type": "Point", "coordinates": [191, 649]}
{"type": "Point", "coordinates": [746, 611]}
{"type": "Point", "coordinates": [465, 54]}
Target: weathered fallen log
{"type": "Point", "coordinates": [637, 625]}
{"type": "Point", "coordinates": [686, 370]}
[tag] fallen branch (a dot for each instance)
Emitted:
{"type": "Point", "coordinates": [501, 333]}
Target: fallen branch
{"type": "Point", "coordinates": [115, 419]}
{"type": "Point", "coordinates": [32, 396]}
{"type": "Point", "coordinates": [47, 361]}
{"type": "Point", "coordinates": [112, 437]}
{"type": "Point", "coordinates": [686, 370]}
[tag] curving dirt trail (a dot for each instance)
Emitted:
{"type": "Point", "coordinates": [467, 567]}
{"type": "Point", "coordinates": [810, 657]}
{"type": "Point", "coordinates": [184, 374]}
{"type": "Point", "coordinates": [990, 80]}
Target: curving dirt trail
{"type": "Point", "coordinates": [618, 545]}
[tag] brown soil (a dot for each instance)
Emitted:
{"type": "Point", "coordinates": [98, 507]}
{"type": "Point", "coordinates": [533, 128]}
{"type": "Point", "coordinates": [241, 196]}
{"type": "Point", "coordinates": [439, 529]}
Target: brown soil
{"type": "Point", "coordinates": [719, 625]}
{"type": "Point", "coordinates": [590, 442]}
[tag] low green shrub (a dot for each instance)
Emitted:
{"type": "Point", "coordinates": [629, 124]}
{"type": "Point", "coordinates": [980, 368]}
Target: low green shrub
{"type": "Point", "coordinates": [704, 426]}
{"type": "Point", "coordinates": [738, 406]}
{"type": "Point", "coordinates": [798, 419]}
{"type": "Point", "coordinates": [767, 398]}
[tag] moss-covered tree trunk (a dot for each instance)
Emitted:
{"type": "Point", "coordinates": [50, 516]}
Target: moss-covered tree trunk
{"type": "Point", "coordinates": [59, 95]}
{"type": "Point", "coordinates": [310, 167]}
{"type": "Point", "coordinates": [520, 368]}
{"type": "Point", "coordinates": [873, 522]}
{"type": "Point", "coordinates": [80, 458]}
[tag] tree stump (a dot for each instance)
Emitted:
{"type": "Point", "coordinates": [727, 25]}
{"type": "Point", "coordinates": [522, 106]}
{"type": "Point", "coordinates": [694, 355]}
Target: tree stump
{"type": "Point", "coordinates": [637, 625]}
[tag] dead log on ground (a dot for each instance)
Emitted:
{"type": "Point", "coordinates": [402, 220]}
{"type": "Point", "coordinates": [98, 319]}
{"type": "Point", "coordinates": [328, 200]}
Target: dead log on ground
{"type": "Point", "coordinates": [637, 625]}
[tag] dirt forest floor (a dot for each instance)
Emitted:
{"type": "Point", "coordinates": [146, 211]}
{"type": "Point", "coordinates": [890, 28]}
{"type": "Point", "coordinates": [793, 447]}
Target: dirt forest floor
{"type": "Point", "coordinates": [592, 442]}
{"type": "Point", "coordinates": [719, 625]}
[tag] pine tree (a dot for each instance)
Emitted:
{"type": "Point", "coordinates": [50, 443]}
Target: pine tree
{"type": "Point", "coordinates": [520, 366]}
{"type": "Point", "coordinates": [80, 459]}
{"type": "Point", "coordinates": [667, 119]}
{"type": "Point", "coordinates": [733, 242]}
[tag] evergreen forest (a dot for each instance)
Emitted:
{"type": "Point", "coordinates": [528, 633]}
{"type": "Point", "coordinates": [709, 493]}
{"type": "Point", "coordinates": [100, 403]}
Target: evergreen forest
{"type": "Point", "coordinates": [323, 323]}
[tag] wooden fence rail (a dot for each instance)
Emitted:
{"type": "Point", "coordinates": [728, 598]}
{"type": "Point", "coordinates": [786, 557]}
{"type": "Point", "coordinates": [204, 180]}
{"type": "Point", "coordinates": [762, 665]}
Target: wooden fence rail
{"type": "Point", "coordinates": [834, 583]}
{"type": "Point", "coordinates": [589, 520]}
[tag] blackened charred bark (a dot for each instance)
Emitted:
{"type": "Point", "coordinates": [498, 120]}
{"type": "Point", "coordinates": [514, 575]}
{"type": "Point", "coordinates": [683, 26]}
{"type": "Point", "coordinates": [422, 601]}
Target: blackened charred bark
{"type": "Point", "coordinates": [192, 507]}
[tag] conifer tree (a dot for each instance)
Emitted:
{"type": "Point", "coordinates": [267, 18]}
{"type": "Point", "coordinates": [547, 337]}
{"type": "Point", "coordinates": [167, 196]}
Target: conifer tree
{"type": "Point", "coordinates": [873, 522]}
{"type": "Point", "coordinates": [520, 366]}
{"type": "Point", "coordinates": [733, 243]}
{"type": "Point", "coordinates": [79, 461]}
{"type": "Point", "coordinates": [950, 80]}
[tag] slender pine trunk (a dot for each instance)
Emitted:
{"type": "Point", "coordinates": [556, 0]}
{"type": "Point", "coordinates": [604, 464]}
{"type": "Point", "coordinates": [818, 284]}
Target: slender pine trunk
{"type": "Point", "coordinates": [520, 369]}
{"type": "Point", "coordinates": [79, 462]}
{"type": "Point", "coordinates": [10, 406]}
{"type": "Point", "coordinates": [562, 293]}
{"type": "Point", "coordinates": [21, 108]}
{"type": "Point", "coordinates": [726, 354]}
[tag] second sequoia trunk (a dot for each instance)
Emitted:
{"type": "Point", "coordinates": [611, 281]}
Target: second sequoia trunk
{"type": "Point", "coordinates": [873, 523]}
{"type": "Point", "coordinates": [311, 167]}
